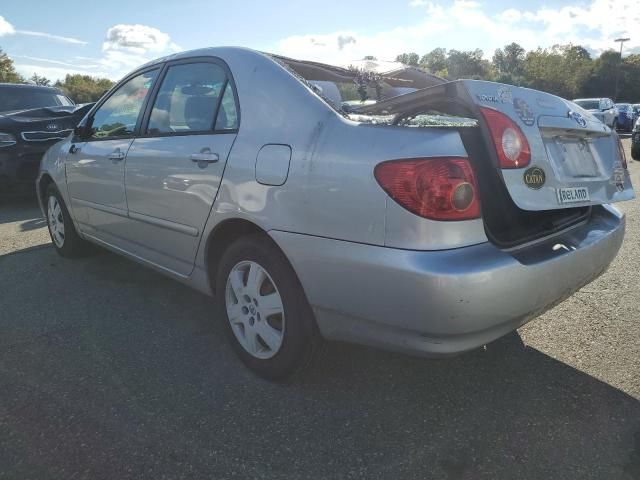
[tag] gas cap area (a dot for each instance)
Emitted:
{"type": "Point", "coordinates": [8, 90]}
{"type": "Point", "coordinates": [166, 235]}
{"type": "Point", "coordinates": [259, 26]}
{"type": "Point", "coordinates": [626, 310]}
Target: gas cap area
{"type": "Point", "coordinates": [272, 164]}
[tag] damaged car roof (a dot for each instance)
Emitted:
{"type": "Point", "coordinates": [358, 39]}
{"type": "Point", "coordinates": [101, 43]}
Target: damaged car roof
{"type": "Point", "coordinates": [395, 74]}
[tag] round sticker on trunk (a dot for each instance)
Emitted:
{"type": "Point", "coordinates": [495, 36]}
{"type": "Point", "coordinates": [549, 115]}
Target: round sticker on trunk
{"type": "Point", "coordinates": [534, 178]}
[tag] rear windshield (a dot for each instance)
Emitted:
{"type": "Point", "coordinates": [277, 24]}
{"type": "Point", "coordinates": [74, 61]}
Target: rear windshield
{"type": "Point", "coordinates": [589, 104]}
{"type": "Point", "coordinates": [26, 98]}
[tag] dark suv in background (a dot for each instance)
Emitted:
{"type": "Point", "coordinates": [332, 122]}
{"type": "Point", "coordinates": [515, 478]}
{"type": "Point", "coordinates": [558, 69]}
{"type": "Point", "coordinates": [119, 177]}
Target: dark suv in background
{"type": "Point", "coordinates": [32, 118]}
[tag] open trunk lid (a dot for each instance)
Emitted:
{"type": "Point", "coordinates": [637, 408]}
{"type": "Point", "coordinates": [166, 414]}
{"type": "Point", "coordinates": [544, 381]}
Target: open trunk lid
{"type": "Point", "coordinates": [575, 159]}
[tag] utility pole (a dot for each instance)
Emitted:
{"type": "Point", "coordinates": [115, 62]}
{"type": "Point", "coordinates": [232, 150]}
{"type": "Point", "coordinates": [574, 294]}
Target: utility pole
{"type": "Point", "coordinates": [621, 42]}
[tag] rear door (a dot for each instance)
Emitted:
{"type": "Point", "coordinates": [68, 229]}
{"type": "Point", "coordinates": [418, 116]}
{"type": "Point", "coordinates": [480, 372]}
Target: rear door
{"type": "Point", "coordinates": [95, 164]}
{"type": "Point", "coordinates": [175, 167]}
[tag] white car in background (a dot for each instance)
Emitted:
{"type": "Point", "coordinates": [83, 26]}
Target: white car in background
{"type": "Point", "coordinates": [602, 108]}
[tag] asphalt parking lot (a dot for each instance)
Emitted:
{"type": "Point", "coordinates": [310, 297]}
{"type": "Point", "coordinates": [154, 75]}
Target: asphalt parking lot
{"type": "Point", "coordinates": [110, 371]}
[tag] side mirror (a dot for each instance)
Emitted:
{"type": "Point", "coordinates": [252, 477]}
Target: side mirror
{"type": "Point", "coordinates": [80, 132]}
{"type": "Point", "coordinates": [83, 129]}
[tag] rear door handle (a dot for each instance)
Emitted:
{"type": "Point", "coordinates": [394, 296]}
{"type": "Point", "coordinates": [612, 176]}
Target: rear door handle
{"type": "Point", "coordinates": [116, 155]}
{"type": "Point", "coordinates": [205, 156]}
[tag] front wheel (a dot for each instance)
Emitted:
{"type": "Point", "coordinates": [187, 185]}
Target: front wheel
{"type": "Point", "coordinates": [635, 152]}
{"type": "Point", "coordinates": [61, 229]}
{"type": "Point", "coordinates": [265, 310]}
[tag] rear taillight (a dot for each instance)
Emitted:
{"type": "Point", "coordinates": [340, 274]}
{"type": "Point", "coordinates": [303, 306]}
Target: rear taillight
{"type": "Point", "coordinates": [510, 143]}
{"type": "Point", "coordinates": [440, 188]}
{"type": "Point", "coordinates": [623, 154]}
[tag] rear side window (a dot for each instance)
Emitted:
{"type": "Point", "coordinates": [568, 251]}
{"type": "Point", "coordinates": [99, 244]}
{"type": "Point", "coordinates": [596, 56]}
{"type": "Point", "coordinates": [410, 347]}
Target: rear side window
{"type": "Point", "coordinates": [193, 97]}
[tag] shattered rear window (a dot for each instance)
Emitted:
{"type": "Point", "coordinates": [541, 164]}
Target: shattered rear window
{"type": "Point", "coordinates": [431, 120]}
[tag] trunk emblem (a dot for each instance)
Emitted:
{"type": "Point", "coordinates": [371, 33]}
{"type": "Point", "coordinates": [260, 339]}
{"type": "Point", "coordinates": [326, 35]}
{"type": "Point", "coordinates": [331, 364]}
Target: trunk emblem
{"type": "Point", "coordinates": [534, 178]}
{"type": "Point", "coordinates": [579, 119]}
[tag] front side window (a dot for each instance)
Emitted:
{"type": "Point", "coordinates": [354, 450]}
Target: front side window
{"type": "Point", "coordinates": [188, 99]}
{"type": "Point", "coordinates": [117, 117]}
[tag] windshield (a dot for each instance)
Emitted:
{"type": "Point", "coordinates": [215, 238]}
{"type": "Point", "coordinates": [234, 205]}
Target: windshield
{"type": "Point", "coordinates": [15, 98]}
{"type": "Point", "coordinates": [623, 107]}
{"type": "Point", "coordinates": [589, 104]}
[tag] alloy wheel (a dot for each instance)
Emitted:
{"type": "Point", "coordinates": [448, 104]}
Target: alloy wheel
{"type": "Point", "coordinates": [255, 309]}
{"type": "Point", "coordinates": [56, 221]}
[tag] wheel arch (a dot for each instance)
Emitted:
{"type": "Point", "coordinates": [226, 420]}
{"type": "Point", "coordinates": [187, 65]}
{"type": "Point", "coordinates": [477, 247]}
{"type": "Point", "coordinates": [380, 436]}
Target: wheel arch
{"type": "Point", "coordinates": [43, 183]}
{"type": "Point", "coordinates": [223, 235]}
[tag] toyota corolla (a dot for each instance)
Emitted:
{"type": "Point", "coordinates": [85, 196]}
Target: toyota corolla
{"type": "Point", "coordinates": [387, 208]}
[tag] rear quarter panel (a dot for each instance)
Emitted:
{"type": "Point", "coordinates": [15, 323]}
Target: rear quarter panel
{"type": "Point", "coordinates": [331, 190]}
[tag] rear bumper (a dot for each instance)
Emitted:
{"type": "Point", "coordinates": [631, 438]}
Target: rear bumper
{"type": "Point", "coordinates": [445, 302]}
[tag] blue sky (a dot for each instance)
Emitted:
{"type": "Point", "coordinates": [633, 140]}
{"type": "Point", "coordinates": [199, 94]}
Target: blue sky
{"type": "Point", "coordinates": [111, 38]}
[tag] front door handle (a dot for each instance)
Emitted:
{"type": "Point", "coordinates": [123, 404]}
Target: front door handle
{"type": "Point", "coordinates": [205, 156]}
{"type": "Point", "coordinates": [117, 155]}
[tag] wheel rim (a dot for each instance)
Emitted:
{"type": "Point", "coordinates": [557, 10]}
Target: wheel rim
{"type": "Point", "coordinates": [255, 310]}
{"type": "Point", "coordinates": [56, 221]}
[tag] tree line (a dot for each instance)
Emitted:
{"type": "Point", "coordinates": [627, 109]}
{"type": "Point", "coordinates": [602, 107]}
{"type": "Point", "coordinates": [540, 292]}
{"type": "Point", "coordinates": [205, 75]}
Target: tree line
{"type": "Point", "coordinates": [80, 88]}
{"type": "Point", "coordinates": [568, 71]}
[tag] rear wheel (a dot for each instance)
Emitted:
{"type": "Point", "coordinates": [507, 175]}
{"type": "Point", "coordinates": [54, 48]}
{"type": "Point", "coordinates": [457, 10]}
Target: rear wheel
{"type": "Point", "coordinates": [265, 311]}
{"type": "Point", "coordinates": [61, 229]}
{"type": "Point", "coordinates": [635, 151]}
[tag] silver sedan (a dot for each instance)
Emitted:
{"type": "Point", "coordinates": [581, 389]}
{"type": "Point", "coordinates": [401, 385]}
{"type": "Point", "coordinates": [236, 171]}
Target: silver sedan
{"type": "Point", "coordinates": [391, 208]}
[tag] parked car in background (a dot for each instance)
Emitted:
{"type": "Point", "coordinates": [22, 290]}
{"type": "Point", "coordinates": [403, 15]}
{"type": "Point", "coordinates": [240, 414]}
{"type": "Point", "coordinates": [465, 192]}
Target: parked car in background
{"type": "Point", "coordinates": [601, 108]}
{"type": "Point", "coordinates": [25, 135]}
{"type": "Point", "coordinates": [636, 112]}
{"type": "Point", "coordinates": [225, 169]}
{"type": "Point", "coordinates": [635, 141]}
{"type": "Point", "coordinates": [625, 117]}
{"type": "Point", "coordinates": [17, 96]}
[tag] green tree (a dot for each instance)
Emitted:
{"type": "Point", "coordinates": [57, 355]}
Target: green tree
{"type": "Point", "coordinates": [8, 72]}
{"type": "Point", "coordinates": [411, 59]}
{"type": "Point", "coordinates": [564, 70]}
{"type": "Point", "coordinates": [629, 89]}
{"type": "Point", "coordinates": [509, 64]}
{"type": "Point", "coordinates": [435, 61]}
{"type": "Point", "coordinates": [84, 88]}
{"type": "Point", "coordinates": [468, 64]}
{"type": "Point", "coordinates": [38, 80]}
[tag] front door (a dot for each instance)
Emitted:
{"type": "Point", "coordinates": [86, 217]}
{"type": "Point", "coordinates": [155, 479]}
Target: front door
{"type": "Point", "coordinates": [175, 167]}
{"type": "Point", "coordinates": [95, 164]}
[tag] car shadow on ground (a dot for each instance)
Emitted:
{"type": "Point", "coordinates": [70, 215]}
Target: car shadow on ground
{"type": "Point", "coordinates": [112, 371]}
{"type": "Point", "coordinates": [18, 207]}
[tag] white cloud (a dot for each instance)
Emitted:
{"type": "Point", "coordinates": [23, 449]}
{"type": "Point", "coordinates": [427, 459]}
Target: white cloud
{"type": "Point", "coordinates": [125, 48]}
{"type": "Point", "coordinates": [48, 60]}
{"type": "Point", "coordinates": [138, 39]}
{"type": "Point", "coordinates": [5, 27]}
{"type": "Point", "coordinates": [465, 24]}
{"type": "Point", "coordinates": [50, 36]}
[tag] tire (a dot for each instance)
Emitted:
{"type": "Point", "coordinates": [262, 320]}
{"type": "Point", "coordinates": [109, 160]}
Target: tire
{"type": "Point", "coordinates": [635, 152]}
{"type": "Point", "coordinates": [274, 340]}
{"type": "Point", "coordinates": [63, 234]}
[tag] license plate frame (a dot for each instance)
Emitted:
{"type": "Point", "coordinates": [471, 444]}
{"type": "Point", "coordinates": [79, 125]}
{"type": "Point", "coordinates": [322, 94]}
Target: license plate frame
{"type": "Point", "coordinates": [567, 195]}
